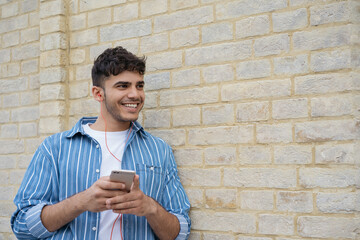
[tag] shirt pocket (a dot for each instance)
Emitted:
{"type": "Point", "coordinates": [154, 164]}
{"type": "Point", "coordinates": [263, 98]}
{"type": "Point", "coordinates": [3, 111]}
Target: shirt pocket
{"type": "Point", "coordinates": [151, 180]}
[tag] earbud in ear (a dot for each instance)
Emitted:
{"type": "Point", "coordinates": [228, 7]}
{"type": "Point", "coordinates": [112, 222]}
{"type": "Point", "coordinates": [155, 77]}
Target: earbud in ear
{"type": "Point", "coordinates": [100, 98]}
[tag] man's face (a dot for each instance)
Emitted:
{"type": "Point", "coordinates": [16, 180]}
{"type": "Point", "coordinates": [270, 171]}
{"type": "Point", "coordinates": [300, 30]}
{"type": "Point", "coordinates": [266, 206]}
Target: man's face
{"type": "Point", "coordinates": [124, 96]}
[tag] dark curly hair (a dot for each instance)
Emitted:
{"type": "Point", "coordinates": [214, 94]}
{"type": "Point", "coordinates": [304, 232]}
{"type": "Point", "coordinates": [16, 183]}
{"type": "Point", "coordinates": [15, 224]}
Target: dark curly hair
{"type": "Point", "coordinates": [114, 61]}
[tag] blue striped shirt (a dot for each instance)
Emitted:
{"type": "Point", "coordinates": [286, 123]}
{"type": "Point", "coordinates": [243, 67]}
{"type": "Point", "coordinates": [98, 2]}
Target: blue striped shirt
{"type": "Point", "coordinates": [69, 162]}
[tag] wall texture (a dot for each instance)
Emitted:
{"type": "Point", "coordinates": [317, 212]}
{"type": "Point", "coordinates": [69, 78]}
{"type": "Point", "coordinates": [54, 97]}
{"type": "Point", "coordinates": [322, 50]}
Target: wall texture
{"type": "Point", "coordinates": [260, 100]}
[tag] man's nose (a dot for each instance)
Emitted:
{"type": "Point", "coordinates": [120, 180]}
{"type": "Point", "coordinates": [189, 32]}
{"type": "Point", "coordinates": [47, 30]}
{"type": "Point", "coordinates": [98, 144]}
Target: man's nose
{"type": "Point", "coordinates": [133, 92]}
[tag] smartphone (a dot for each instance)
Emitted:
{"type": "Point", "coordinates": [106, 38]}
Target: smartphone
{"type": "Point", "coordinates": [123, 176]}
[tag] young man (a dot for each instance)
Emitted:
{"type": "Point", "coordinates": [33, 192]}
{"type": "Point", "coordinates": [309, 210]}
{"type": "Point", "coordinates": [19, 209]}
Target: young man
{"type": "Point", "coordinates": [66, 192]}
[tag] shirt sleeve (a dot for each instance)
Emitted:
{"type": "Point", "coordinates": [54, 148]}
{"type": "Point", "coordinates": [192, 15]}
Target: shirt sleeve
{"type": "Point", "coordinates": [33, 194]}
{"type": "Point", "coordinates": [175, 199]}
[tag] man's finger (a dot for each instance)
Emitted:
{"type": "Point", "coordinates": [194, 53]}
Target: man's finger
{"type": "Point", "coordinates": [136, 183]}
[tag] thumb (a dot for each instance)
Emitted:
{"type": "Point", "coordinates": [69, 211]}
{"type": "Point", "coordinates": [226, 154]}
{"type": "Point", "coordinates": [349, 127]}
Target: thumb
{"type": "Point", "coordinates": [136, 183]}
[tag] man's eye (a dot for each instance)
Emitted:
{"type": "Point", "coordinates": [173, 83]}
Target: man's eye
{"type": "Point", "coordinates": [122, 86]}
{"type": "Point", "coordinates": [140, 86]}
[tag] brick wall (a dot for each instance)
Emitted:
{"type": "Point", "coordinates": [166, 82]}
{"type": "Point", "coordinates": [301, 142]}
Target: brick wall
{"type": "Point", "coordinates": [259, 99]}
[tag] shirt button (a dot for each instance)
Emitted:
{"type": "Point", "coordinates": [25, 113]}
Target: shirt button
{"type": "Point", "coordinates": [94, 228]}
{"type": "Point", "coordinates": [97, 170]}
{"type": "Point", "coordinates": [97, 146]}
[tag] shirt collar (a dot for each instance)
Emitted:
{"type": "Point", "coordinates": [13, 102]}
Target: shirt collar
{"type": "Point", "coordinates": [78, 128]}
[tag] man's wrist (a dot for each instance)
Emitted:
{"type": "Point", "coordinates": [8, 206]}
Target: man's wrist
{"type": "Point", "coordinates": [153, 207]}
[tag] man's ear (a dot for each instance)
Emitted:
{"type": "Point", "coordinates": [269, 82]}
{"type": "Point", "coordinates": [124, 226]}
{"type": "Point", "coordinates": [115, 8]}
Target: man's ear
{"type": "Point", "coordinates": [97, 93]}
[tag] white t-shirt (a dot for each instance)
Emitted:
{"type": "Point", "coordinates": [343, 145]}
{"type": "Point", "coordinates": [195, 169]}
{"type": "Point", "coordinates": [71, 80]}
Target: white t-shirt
{"type": "Point", "coordinates": [116, 143]}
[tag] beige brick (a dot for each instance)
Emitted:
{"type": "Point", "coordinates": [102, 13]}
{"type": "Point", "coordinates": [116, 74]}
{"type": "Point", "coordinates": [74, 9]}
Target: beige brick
{"type": "Point", "coordinates": [254, 155]}
{"type": "Point", "coordinates": [52, 92]}
{"type": "Point", "coordinates": [154, 43]}
{"type": "Point", "coordinates": [328, 178]}
{"type": "Point", "coordinates": [331, 106]}
{"type": "Point", "coordinates": [8, 130]}
{"type": "Point", "coordinates": [218, 236]}
{"type": "Point", "coordinates": [79, 90]}
{"type": "Point", "coordinates": [53, 41]}
{"type": "Point", "coordinates": [176, 5]}
{"type": "Point", "coordinates": [11, 70]}
{"type": "Point", "coordinates": [4, 55]}
{"type": "Point", "coordinates": [188, 157]}
{"type": "Point", "coordinates": [291, 201]}
{"type": "Point", "coordinates": [195, 235]}
{"type": "Point", "coordinates": [327, 227]}
{"type": "Point", "coordinates": [221, 135]}
{"type": "Point", "coordinates": [121, 31]}
{"type": "Point", "coordinates": [9, 10]}
{"type": "Point", "coordinates": [51, 125]}
{"type": "Point", "coordinates": [152, 7]}
{"type": "Point", "coordinates": [333, 60]}
{"type": "Point", "coordinates": [28, 130]}
{"type": "Point", "coordinates": [99, 17]}
{"type": "Point", "coordinates": [48, 109]}
{"type": "Point", "coordinates": [330, 13]}
{"type": "Point", "coordinates": [220, 198]}
{"type": "Point", "coordinates": [151, 100]}
{"type": "Point", "coordinates": [255, 90]}
{"type": "Point", "coordinates": [323, 83]}
{"type": "Point", "coordinates": [257, 238]}
{"type": "Point", "coordinates": [186, 116]}
{"type": "Point", "coordinates": [30, 35]}
{"type": "Point", "coordinates": [11, 100]}
{"type": "Point", "coordinates": [34, 81]}
{"type": "Point", "coordinates": [11, 146]}
{"type": "Point", "coordinates": [7, 195]}
{"type": "Point", "coordinates": [185, 18]}
{"type": "Point", "coordinates": [14, 23]}
{"type": "Point", "coordinates": [83, 72]}
{"type": "Point", "coordinates": [292, 154]}
{"type": "Point", "coordinates": [195, 197]}
{"type": "Point", "coordinates": [25, 114]}
{"type": "Point", "coordinates": [34, 19]}
{"type": "Point", "coordinates": [189, 96]}
{"type": "Point", "coordinates": [286, 21]}
{"type": "Point", "coordinates": [184, 37]}
{"type": "Point", "coordinates": [13, 85]}
{"type": "Point", "coordinates": [157, 81]}
{"type": "Point", "coordinates": [84, 38]}
{"type": "Point", "coordinates": [257, 200]}
{"type": "Point", "coordinates": [335, 154]}
{"type": "Point", "coordinates": [157, 118]}
{"type": "Point", "coordinates": [217, 32]}
{"type": "Point", "coordinates": [29, 98]}
{"type": "Point", "coordinates": [94, 4]}
{"type": "Point", "coordinates": [253, 69]}
{"type": "Point", "coordinates": [291, 65]}
{"type": "Point", "coordinates": [30, 66]}
{"type": "Point", "coordinates": [338, 202]}
{"type": "Point", "coordinates": [218, 53]}
{"type": "Point", "coordinates": [26, 51]}
{"type": "Point", "coordinates": [247, 7]}
{"type": "Point", "coordinates": [174, 137]}
{"type": "Point", "coordinates": [183, 78]}
{"type": "Point", "coordinates": [77, 22]}
{"type": "Point", "coordinates": [253, 26]}
{"type": "Point", "coordinates": [220, 156]}
{"type": "Point", "coordinates": [31, 145]}
{"type": "Point", "coordinates": [290, 108]}
{"type": "Point", "coordinates": [95, 51]}
{"type": "Point", "coordinates": [53, 24]}
{"type": "Point", "coordinates": [218, 73]}
{"type": "Point", "coordinates": [53, 58]}
{"type": "Point", "coordinates": [28, 5]}
{"type": "Point", "coordinates": [77, 56]}
{"type": "Point", "coordinates": [272, 45]}
{"type": "Point", "coordinates": [254, 111]}
{"type": "Point", "coordinates": [223, 221]}
{"type": "Point", "coordinates": [260, 177]}
{"type": "Point", "coordinates": [52, 8]}
{"type": "Point", "coordinates": [10, 39]}
{"type": "Point", "coordinates": [275, 133]}
{"type": "Point", "coordinates": [83, 107]}
{"type": "Point", "coordinates": [199, 177]}
{"type": "Point", "coordinates": [321, 38]}
{"type": "Point", "coordinates": [166, 60]}
{"type": "Point", "coordinates": [6, 209]}
{"type": "Point", "coordinates": [330, 130]}
{"type": "Point", "coordinates": [126, 12]}
{"type": "Point", "coordinates": [276, 224]}
{"type": "Point", "coordinates": [218, 114]}
{"type": "Point", "coordinates": [24, 160]}
{"type": "Point", "coordinates": [5, 116]}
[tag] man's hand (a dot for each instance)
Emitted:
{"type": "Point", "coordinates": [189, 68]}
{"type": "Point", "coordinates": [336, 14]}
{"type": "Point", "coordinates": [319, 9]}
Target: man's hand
{"type": "Point", "coordinates": [95, 197]}
{"type": "Point", "coordinates": [135, 202]}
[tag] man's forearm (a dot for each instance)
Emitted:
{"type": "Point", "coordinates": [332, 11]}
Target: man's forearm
{"type": "Point", "coordinates": [164, 224]}
{"type": "Point", "coordinates": [56, 216]}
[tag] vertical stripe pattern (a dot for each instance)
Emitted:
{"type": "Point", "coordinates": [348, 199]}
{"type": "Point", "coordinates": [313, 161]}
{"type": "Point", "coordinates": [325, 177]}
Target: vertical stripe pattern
{"type": "Point", "coordinates": [67, 163]}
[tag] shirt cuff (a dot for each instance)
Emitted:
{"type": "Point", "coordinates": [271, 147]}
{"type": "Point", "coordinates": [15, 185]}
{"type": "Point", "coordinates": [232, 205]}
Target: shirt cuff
{"type": "Point", "coordinates": [34, 223]}
{"type": "Point", "coordinates": [184, 227]}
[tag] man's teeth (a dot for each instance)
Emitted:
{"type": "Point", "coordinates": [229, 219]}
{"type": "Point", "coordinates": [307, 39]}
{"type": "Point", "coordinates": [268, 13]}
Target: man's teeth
{"type": "Point", "coordinates": [131, 105]}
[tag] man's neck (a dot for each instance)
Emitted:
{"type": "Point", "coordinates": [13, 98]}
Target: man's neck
{"type": "Point", "coordinates": [111, 125]}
